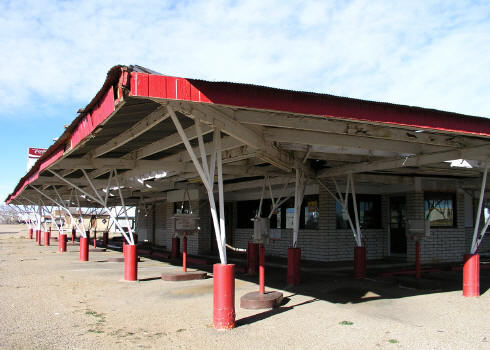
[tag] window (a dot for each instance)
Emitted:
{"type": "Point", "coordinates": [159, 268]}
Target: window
{"type": "Point", "coordinates": [182, 207]}
{"type": "Point", "coordinates": [284, 216]}
{"type": "Point", "coordinates": [439, 209]}
{"type": "Point", "coordinates": [246, 210]}
{"type": "Point", "coordinates": [368, 210]}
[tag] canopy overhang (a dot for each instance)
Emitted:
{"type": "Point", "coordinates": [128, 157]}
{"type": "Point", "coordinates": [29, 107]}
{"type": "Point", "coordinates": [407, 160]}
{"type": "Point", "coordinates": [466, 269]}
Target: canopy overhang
{"type": "Point", "coordinates": [268, 132]}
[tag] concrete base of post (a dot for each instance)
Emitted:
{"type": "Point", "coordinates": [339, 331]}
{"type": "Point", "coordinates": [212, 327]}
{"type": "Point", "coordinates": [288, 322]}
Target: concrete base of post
{"type": "Point", "coordinates": [294, 266]}
{"type": "Point", "coordinates": [360, 262]}
{"type": "Point", "coordinates": [224, 296]}
{"type": "Point", "coordinates": [471, 275]}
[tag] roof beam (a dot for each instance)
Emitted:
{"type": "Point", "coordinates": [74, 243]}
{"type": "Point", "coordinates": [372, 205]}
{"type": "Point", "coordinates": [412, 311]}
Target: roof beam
{"type": "Point", "coordinates": [347, 127]}
{"type": "Point", "coordinates": [327, 139]}
{"type": "Point", "coordinates": [167, 142]}
{"type": "Point", "coordinates": [472, 153]}
{"type": "Point", "coordinates": [248, 136]}
{"type": "Point", "coordinates": [145, 124]}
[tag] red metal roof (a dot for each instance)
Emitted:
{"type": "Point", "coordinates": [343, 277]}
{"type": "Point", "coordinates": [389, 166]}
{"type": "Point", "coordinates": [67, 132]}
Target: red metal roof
{"type": "Point", "coordinates": [121, 78]}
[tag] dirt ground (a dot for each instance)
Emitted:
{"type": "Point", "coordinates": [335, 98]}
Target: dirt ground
{"type": "Point", "coordinates": [52, 301]}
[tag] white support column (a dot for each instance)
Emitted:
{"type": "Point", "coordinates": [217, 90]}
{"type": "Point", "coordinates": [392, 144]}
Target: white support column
{"type": "Point", "coordinates": [356, 215]}
{"type": "Point", "coordinates": [475, 242]}
{"type": "Point", "coordinates": [101, 203]}
{"type": "Point", "coordinates": [299, 192]}
{"type": "Point", "coordinates": [207, 176]}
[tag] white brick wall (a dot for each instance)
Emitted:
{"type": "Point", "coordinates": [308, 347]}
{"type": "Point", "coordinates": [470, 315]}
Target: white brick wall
{"type": "Point", "coordinates": [327, 243]}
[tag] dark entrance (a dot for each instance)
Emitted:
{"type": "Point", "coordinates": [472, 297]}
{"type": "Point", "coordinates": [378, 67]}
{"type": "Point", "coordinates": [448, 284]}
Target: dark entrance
{"type": "Point", "coordinates": [398, 240]}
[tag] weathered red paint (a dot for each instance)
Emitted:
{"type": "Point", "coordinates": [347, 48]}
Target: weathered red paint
{"type": "Point", "coordinates": [224, 296]}
{"type": "Point", "coordinates": [47, 238]}
{"type": "Point", "coordinates": [184, 255]}
{"type": "Point", "coordinates": [260, 97]}
{"type": "Point", "coordinates": [131, 262]}
{"type": "Point", "coordinates": [29, 234]}
{"type": "Point", "coordinates": [294, 266]}
{"type": "Point", "coordinates": [38, 236]}
{"type": "Point", "coordinates": [359, 262]}
{"type": "Point", "coordinates": [261, 269]}
{"type": "Point", "coordinates": [62, 243]}
{"type": "Point", "coordinates": [471, 275]}
{"type": "Point", "coordinates": [83, 249]}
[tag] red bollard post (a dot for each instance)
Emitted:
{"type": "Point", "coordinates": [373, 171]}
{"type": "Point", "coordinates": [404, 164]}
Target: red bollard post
{"type": "Point", "coordinates": [417, 259]}
{"type": "Point", "coordinates": [95, 238]}
{"type": "Point", "coordinates": [131, 262]}
{"type": "Point", "coordinates": [184, 255]}
{"type": "Point", "coordinates": [62, 243]}
{"type": "Point", "coordinates": [224, 296]}
{"type": "Point", "coordinates": [360, 262]}
{"type": "Point", "coordinates": [46, 238]}
{"type": "Point", "coordinates": [105, 238]}
{"type": "Point", "coordinates": [83, 249]}
{"type": "Point", "coordinates": [294, 266]}
{"type": "Point", "coordinates": [175, 247]}
{"type": "Point", "coordinates": [261, 269]}
{"type": "Point", "coordinates": [252, 258]}
{"type": "Point", "coordinates": [29, 234]}
{"type": "Point", "coordinates": [73, 235]}
{"type": "Point", "coordinates": [38, 237]}
{"type": "Point", "coordinates": [471, 275]}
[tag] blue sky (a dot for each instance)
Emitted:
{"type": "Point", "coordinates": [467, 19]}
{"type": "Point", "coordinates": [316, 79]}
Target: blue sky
{"type": "Point", "coordinates": [55, 55]}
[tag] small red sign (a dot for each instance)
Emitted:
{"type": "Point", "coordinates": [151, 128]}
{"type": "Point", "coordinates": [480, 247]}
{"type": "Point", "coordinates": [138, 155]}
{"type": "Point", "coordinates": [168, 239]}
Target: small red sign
{"type": "Point", "coordinates": [36, 152]}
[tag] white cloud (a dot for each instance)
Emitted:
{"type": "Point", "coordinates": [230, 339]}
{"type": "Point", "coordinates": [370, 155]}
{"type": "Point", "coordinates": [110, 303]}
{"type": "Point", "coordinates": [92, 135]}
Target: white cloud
{"type": "Point", "coordinates": [431, 54]}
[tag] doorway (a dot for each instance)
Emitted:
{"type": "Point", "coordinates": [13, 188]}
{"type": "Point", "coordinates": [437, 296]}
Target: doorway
{"type": "Point", "coordinates": [398, 239]}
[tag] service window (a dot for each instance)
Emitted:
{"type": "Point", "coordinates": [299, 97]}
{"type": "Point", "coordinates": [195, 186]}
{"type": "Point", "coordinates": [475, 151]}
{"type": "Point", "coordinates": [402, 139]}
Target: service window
{"type": "Point", "coordinates": [440, 209]}
{"type": "Point", "coordinates": [368, 209]}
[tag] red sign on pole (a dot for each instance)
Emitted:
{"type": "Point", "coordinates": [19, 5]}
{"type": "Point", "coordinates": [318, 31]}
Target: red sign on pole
{"type": "Point", "coordinates": [34, 154]}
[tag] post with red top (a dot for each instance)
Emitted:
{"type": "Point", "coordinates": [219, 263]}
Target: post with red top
{"type": "Point", "coordinates": [261, 269]}
{"type": "Point", "coordinates": [131, 262]}
{"type": "Point", "coordinates": [175, 247]}
{"type": "Point", "coordinates": [29, 234]}
{"type": "Point", "coordinates": [184, 255]}
{"type": "Point", "coordinates": [84, 248]}
{"type": "Point", "coordinates": [62, 243]}
{"type": "Point", "coordinates": [294, 266]}
{"type": "Point", "coordinates": [360, 262]}
{"type": "Point", "coordinates": [95, 238]}
{"type": "Point", "coordinates": [252, 258]}
{"type": "Point", "coordinates": [471, 275]}
{"type": "Point", "coordinates": [224, 296]}
{"type": "Point", "coordinates": [417, 259]}
{"type": "Point", "coordinates": [46, 238]}
{"type": "Point", "coordinates": [73, 235]}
